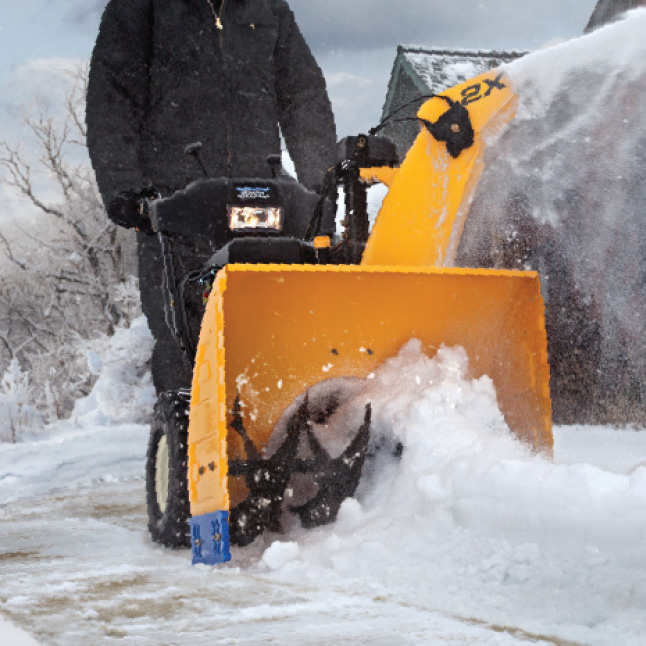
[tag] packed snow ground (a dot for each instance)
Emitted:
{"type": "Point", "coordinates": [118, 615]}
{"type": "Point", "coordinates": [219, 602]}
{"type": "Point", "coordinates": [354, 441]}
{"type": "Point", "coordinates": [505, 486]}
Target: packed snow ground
{"type": "Point", "coordinates": [468, 538]}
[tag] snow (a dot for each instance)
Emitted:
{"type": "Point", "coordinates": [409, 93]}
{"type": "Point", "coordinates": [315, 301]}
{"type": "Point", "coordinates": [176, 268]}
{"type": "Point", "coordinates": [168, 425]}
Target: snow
{"type": "Point", "coordinates": [563, 192]}
{"type": "Point", "coordinates": [617, 49]}
{"type": "Point", "coordinates": [14, 636]}
{"type": "Point", "coordinates": [441, 68]}
{"type": "Point", "coordinates": [468, 537]}
{"type": "Point", "coordinates": [124, 391]}
{"type": "Point", "coordinates": [279, 553]}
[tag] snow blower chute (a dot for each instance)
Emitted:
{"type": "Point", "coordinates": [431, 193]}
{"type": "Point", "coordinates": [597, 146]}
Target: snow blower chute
{"type": "Point", "coordinates": [271, 332]}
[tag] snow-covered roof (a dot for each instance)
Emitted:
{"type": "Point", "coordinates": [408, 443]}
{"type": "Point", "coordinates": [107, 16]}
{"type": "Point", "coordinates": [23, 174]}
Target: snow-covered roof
{"type": "Point", "coordinates": [419, 71]}
{"type": "Point", "coordinates": [443, 68]}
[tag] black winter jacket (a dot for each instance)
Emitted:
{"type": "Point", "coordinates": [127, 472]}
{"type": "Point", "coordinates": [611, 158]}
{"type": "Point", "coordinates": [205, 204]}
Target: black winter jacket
{"type": "Point", "coordinates": [163, 75]}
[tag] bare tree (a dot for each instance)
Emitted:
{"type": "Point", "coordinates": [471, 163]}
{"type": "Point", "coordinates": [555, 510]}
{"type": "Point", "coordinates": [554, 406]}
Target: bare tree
{"type": "Point", "coordinates": [71, 278]}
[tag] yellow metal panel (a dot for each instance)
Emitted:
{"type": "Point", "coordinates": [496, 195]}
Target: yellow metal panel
{"type": "Point", "coordinates": [207, 430]}
{"type": "Point", "coordinates": [422, 217]}
{"type": "Point", "coordinates": [384, 174]}
{"type": "Point", "coordinates": [321, 242]}
{"type": "Point", "coordinates": [288, 327]}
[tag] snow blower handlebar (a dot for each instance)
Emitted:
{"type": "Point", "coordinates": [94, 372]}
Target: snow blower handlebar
{"type": "Point", "coordinates": [354, 154]}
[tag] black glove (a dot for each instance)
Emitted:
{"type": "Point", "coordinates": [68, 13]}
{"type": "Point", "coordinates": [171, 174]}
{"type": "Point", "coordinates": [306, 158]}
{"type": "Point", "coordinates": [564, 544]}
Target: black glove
{"type": "Point", "coordinates": [128, 208]}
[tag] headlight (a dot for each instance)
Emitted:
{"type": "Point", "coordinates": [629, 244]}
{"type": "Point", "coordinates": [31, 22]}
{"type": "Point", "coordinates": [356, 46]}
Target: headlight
{"type": "Point", "coordinates": [250, 218]}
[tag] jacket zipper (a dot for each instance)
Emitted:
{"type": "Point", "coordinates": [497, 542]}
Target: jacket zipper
{"type": "Point", "coordinates": [217, 15]}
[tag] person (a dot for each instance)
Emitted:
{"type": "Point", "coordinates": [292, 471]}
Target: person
{"type": "Point", "coordinates": [230, 74]}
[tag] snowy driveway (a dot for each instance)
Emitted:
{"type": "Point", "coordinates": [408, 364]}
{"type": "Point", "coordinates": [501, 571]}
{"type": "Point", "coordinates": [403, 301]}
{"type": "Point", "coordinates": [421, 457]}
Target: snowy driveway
{"type": "Point", "coordinates": [77, 568]}
{"type": "Point", "coordinates": [490, 546]}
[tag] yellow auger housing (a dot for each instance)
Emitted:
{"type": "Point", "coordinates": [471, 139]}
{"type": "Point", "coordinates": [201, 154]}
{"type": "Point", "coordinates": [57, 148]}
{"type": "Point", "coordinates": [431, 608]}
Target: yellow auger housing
{"type": "Point", "coordinates": [271, 332]}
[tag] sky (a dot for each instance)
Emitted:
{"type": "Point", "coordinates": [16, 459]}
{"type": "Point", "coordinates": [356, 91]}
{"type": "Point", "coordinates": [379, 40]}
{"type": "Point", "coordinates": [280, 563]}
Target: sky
{"type": "Point", "coordinates": [354, 41]}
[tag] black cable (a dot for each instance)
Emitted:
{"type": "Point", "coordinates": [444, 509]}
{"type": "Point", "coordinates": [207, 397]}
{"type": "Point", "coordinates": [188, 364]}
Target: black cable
{"type": "Point", "coordinates": [328, 191]}
{"type": "Point", "coordinates": [399, 121]}
{"type": "Point", "coordinates": [385, 121]}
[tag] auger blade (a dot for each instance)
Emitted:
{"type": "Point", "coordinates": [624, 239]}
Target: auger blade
{"type": "Point", "coordinates": [266, 479]}
{"type": "Point", "coordinates": [337, 478]}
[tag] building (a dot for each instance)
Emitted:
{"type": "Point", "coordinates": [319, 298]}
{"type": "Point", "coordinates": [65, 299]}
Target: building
{"type": "Point", "coordinates": [421, 71]}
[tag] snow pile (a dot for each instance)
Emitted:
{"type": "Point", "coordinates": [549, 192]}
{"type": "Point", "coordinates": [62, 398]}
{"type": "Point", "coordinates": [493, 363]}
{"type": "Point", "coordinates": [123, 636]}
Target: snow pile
{"type": "Point", "coordinates": [563, 192]}
{"type": "Point", "coordinates": [105, 439]}
{"type": "Point", "coordinates": [123, 391]}
{"type": "Point", "coordinates": [468, 517]}
{"type": "Point", "coordinates": [279, 553]}
{"type": "Point", "coordinates": [462, 468]}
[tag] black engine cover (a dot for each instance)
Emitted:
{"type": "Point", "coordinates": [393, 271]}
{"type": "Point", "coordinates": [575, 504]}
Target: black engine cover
{"type": "Point", "coordinates": [201, 208]}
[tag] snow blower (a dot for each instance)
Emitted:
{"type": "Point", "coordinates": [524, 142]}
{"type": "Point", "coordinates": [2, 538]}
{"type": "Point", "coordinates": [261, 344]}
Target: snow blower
{"type": "Point", "coordinates": [284, 315]}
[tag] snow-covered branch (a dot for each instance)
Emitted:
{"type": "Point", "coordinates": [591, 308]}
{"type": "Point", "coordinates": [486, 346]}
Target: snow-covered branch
{"type": "Point", "coordinates": [70, 275]}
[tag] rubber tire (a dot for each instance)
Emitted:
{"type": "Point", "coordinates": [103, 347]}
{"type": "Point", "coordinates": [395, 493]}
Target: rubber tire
{"type": "Point", "coordinates": [170, 418]}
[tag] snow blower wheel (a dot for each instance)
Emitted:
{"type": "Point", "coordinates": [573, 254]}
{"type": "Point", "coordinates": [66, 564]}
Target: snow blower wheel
{"type": "Point", "coordinates": [166, 471]}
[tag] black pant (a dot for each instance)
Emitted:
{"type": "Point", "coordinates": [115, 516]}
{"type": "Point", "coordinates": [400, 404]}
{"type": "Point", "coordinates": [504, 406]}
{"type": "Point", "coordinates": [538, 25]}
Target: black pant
{"type": "Point", "coordinates": [171, 368]}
